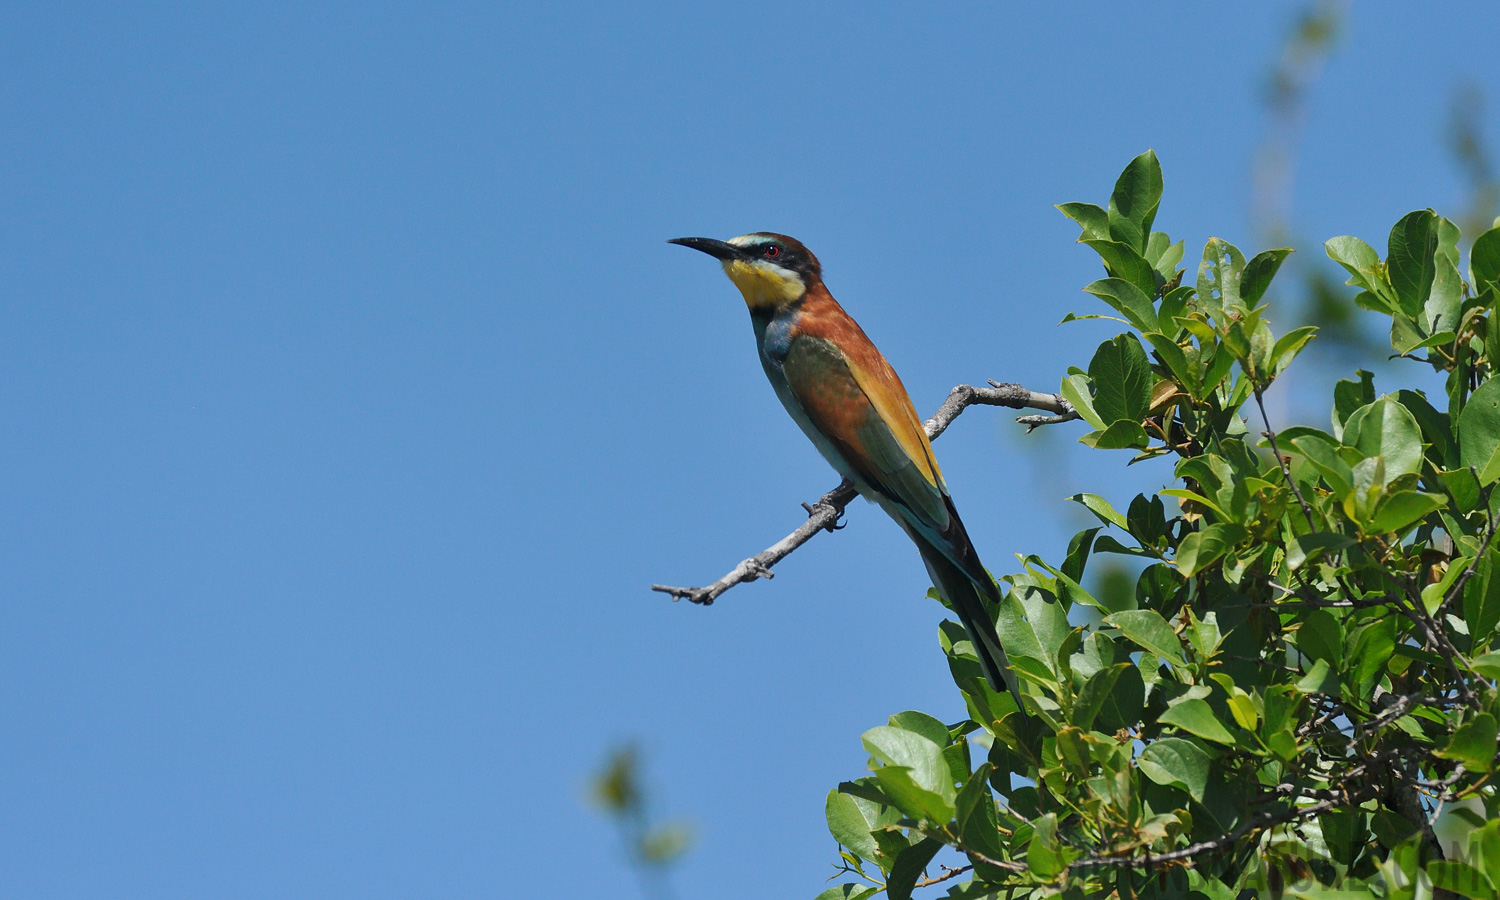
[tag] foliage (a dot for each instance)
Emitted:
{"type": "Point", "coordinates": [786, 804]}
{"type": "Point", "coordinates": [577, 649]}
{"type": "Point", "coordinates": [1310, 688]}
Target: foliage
{"type": "Point", "coordinates": [1305, 670]}
{"type": "Point", "coordinates": [617, 791]}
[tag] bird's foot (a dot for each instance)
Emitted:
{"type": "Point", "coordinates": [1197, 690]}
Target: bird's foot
{"type": "Point", "coordinates": [836, 524]}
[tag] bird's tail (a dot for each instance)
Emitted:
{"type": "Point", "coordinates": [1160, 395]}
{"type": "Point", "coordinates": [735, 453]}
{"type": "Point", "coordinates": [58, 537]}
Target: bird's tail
{"type": "Point", "coordinates": [972, 602]}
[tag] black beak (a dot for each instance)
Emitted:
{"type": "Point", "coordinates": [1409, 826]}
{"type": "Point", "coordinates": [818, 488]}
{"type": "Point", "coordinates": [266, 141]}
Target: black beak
{"type": "Point", "coordinates": [715, 248]}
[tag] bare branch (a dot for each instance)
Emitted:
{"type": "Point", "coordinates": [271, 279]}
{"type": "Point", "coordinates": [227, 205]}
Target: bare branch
{"type": "Point", "coordinates": [821, 516]}
{"type": "Point", "coordinates": [999, 393]}
{"type": "Point", "coordinates": [948, 872]}
{"type": "Point", "coordinates": [1220, 844]}
{"type": "Point", "coordinates": [824, 515]}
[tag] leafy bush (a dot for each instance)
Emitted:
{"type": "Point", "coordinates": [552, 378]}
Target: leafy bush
{"type": "Point", "coordinates": [1304, 673]}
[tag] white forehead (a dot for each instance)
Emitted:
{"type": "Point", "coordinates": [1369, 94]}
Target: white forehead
{"type": "Point", "coordinates": [750, 240]}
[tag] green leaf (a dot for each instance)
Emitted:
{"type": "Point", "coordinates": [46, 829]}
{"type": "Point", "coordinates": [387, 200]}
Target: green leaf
{"type": "Point", "coordinates": [1148, 630]}
{"type": "Point", "coordinates": [1101, 508]}
{"type": "Point", "coordinates": [1204, 633]}
{"type": "Point", "coordinates": [1078, 553]}
{"type": "Point", "coordinates": [1045, 855]}
{"type": "Point", "coordinates": [1122, 380]}
{"type": "Point", "coordinates": [1310, 547]}
{"type": "Point", "coordinates": [664, 843]}
{"type": "Point", "coordinates": [1133, 205]}
{"type": "Point", "coordinates": [1437, 429]}
{"type": "Point", "coordinates": [1433, 593]}
{"type": "Point", "coordinates": [1321, 678]}
{"type": "Point", "coordinates": [1368, 649]}
{"type": "Point", "coordinates": [1019, 638]}
{"type": "Point", "coordinates": [909, 866]}
{"type": "Point", "coordinates": [1163, 254]}
{"type": "Point", "coordinates": [1460, 878]}
{"type": "Point", "coordinates": [1121, 435]}
{"type": "Point", "coordinates": [1401, 510]}
{"type": "Point", "coordinates": [1242, 707]}
{"type": "Point", "coordinates": [1406, 333]}
{"type": "Point", "coordinates": [1174, 304]}
{"type": "Point", "coordinates": [1093, 220]}
{"type": "Point", "coordinates": [899, 747]}
{"type": "Point", "coordinates": [1128, 299]}
{"type": "Point", "coordinates": [1321, 637]}
{"type": "Point", "coordinates": [1123, 263]}
{"type": "Point", "coordinates": [977, 823]}
{"type": "Point", "coordinates": [1488, 665]}
{"type": "Point", "coordinates": [1325, 458]}
{"type": "Point", "coordinates": [1487, 841]}
{"type": "Point", "coordinates": [1484, 261]}
{"type": "Point", "coordinates": [1073, 751]}
{"type": "Point", "coordinates": [1345, 835]}
{"type": "Point", "coordinates": [849, 892]}
{"type": "Point", "coordinates": [1473, 743]}
{"type": "Point", "coordinates": [1218, 369]}
{"type": "Point", "coordinates": [1069, 591]}
{"type": "Point", "coordinates": [1176, 762]}
{"type": "Point", "coordinates": [1409, 260]}
{"type": "Point", "coordinates": [1363, 265]}
{"type": "Point", "coordinates": [1259, 272]}
{"type": "Point", "coordinates": [1188, 374]}
{"type": "Point", "coordinates": [1095, 693]}
{"type": "Point", "coordinates": [1479, 432]}
{"type": "Point", "coordinates": [911, 798]}
{"type": "Point", "coordinates": [1122, 707]}
{"type": "Point", "coordinates": [1440, 314]}
{"type": "Point", "coordinates": [1047, 618]}
{"type": "Point", "coordinates": [848, 825]}
{"type": "Point", "coordinates": [1197, 717]}
{"type": "Point", "coordinates": [923, 724]}
{"type": "Point", "coordinates": [913, 773]}
{"type": "Point", "coordinates": [1107, 544]}
{"type": "Point", "coordinates": [1288, 346]}
{"type": "Point", "coordinates": [1201, 549]}
{"type": "Point", "coordinates": [1481, 606]}
{"type": "Point", "coordinates": [1463, 487]}
{"type": "Point", "coordinates": [1219, 274]}
{"type": "Point", "coordinates": [1182, 494]}
{"type": "Point", "coordinates": [1077, 390]}
{"type": "Point", "coordinates": [1349, 396]}
{"type": "Point", "coordinates": [1386, 429]}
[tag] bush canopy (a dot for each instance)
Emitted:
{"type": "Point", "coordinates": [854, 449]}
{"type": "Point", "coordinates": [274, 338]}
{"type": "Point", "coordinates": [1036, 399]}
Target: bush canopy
{"type": "Point", "coordinates": [1304, 675]}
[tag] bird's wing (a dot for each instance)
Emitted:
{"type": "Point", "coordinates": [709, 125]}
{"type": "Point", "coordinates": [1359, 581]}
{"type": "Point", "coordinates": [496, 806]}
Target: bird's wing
{"type": "Point", "coordinates": [863, 411]}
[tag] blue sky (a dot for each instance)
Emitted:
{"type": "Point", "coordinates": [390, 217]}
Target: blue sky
{"type": "Point", "coordinates": [352, 400]}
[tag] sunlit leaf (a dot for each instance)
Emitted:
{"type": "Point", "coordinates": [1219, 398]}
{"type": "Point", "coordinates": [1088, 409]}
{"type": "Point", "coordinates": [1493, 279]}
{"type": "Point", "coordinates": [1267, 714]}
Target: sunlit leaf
{"type": "Point", "coordinates": [1149, 631]}
{"type": "Point", "coordinates": [1176, 762]}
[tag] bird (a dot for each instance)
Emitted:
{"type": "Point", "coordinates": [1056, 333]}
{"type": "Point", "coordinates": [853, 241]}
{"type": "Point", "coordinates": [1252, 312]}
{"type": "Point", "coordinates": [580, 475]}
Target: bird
{"type": "Point", "coordinates": [852, 406]}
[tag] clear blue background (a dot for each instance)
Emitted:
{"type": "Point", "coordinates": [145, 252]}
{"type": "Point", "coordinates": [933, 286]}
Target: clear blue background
{"type": "Point", "coordinates": [351, 400]}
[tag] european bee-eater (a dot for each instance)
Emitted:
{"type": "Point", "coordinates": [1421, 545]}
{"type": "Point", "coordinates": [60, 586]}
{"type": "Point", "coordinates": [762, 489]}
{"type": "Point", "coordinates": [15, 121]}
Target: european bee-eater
{"type": "Point", "coordinates": [850, 403]}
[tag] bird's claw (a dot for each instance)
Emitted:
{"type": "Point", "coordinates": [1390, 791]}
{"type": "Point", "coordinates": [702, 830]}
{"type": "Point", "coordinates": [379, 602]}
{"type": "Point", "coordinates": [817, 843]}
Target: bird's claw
{"type": "Point", "coordinates": [815, 508]}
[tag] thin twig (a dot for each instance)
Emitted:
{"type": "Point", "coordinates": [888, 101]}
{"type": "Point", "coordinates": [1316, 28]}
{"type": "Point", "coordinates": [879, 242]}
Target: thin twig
{"type": "Point", "coordinates": [1219, 844]}
{"type": "Point", "coordinates": [1436, 637]}
{"type": "Point", "coordinates": [1456, 590]}
{"type": "Point", "coordinates": [1442, 795]}
{"type": "Point", "coordinates": [1286, 470]}
{"type": "Point", "coordinates": [949, 872]}
{"type": "Point", "coordinates": [824, 515]}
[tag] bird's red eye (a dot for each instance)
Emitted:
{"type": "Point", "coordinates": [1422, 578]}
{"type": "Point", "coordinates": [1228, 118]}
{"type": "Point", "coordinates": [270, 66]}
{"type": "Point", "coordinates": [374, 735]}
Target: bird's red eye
{"type": "Point", "coordinates": [773, 251]}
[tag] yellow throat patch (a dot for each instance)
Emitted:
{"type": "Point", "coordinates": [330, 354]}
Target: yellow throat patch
{"type": "Point", "coordinates": [764, 284]}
